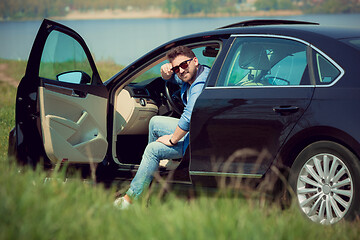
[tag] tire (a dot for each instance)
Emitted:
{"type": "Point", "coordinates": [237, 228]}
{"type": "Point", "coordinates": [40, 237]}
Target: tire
{"type": "Point", "coordinates": [325, 178]}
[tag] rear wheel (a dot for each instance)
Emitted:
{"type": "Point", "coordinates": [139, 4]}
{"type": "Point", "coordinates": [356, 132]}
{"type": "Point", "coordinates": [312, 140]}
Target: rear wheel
{"type": "Point", "coordinates": [325, 177]}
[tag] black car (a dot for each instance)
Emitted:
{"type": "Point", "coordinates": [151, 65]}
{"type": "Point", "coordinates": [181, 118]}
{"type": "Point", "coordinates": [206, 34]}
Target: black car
{"type": "Point", "coordinates": [280, 95]}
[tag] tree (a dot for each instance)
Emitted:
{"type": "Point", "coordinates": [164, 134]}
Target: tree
{"type": "Point", "coordinates": [273, 4]}
{"type": "Point", "coordinates": [332, 6]}
{"type": "Point", "coordinates": [185, 7]}
{"type": "Point", "coordinates": [265, 4]}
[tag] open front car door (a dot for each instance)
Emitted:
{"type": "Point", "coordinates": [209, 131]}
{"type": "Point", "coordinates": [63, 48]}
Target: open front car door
{"type": "Point", "coordinates": [61, 106]}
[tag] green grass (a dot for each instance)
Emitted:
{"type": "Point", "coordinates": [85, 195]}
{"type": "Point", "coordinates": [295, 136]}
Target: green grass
{"type": "Point", "coordinates": [7, 116]}
{"type": "Point", "coordinates": [34, 206]}
{"type": "Point", "coordinates": [16, 68]}
{"type": "Point", "coordinates": [107, 69]}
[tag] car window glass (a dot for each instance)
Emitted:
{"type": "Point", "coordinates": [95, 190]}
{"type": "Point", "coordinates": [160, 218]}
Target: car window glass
{"type": "Point", "coordinates": [204, 58]}
{"type": "Point", "coordinates": [327, 72]}
{"type": "Point", "coordinates": [256, 61]}
{"type": "Point", "coordinates": [153, 72]}
{"type": "Point", "coordinates": [63, 59]}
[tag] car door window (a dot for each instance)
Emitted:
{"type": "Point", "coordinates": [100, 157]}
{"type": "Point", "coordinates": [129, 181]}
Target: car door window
{"type": "Point", "coordinates": [327, 72]}
{"type": "Point", "coordinates": [254, 61]}
{"type": "Point", "coordinates": [63, 59]}
{"type": "Point", "coordinates": [205, 54]}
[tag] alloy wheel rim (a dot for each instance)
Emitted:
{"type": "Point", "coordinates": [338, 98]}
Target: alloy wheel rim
{"type": "Point", "coordinates": [325, 189]}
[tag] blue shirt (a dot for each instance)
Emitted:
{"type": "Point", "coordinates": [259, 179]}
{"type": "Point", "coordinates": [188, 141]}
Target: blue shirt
{"type": "Point", "coordinates": [189, 98]}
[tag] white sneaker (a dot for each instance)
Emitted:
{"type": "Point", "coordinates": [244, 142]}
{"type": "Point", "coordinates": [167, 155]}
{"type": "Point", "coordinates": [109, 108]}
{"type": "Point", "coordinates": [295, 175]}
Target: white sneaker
{"type": "Point", "coordinates": [121, 203]}
{"type": "Point", "coordinates": [169, 164]}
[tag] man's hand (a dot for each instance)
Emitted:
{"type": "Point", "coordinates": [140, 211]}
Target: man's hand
{"type": "Point", "coordinates": [175, 138]}
{"type": "Point", "coordinates": [166, 71]}
{"type": "Point", "coordinates": [165, 140]}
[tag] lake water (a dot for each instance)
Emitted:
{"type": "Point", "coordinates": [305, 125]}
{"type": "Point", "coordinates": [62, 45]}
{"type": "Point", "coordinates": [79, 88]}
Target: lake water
{"type": "Point", "coordinates": [125, 40]}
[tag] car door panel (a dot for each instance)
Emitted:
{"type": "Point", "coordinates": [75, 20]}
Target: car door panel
{"type": "Point", "coordinates": [242, 132]}
{"type": "Point", "coordinates": [73, 130]}
{"type": "Point", "coordinates": [63, 98]}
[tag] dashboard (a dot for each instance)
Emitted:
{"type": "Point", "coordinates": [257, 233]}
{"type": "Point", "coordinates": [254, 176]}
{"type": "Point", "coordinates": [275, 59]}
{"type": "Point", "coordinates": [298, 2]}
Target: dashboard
{"type": "Point", "coordinates": [137, 103]}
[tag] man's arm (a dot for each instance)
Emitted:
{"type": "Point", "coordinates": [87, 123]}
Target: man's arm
{"type": "Point", "coordinates": [184, 122]}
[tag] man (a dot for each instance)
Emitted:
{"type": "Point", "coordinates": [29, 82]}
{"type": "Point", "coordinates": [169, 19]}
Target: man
{"type": "Point", "coordinates": [169, 137]}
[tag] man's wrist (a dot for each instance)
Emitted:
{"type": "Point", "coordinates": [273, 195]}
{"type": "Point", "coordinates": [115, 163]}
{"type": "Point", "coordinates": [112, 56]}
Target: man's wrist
{"type": "Point", "coordinates": [166, 78]}
{"type": "Point", "coordinates": [173, 144]}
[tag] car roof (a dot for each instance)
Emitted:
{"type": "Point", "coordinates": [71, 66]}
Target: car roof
{"type": "Point", "coordinates": [300, 29]}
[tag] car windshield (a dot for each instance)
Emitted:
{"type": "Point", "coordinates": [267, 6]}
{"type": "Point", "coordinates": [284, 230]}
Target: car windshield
{"type": "Point", "coordinates": [354, 42]}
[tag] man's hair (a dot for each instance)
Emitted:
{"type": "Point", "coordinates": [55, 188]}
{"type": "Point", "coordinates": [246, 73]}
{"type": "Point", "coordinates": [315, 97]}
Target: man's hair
{"type": "Point", "coordinates": [179, 50]}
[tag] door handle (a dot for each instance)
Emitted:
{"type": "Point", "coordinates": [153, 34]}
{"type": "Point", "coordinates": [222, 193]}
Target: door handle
{"type": "Point", "coordinates": [286, 110]}
{"type": "Point", "coordinates": [79, 94]}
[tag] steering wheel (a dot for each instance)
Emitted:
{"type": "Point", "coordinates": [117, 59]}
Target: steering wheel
{"type": "Point", "coordinates": [173, 92]}
{"type": "Point", "coordinates": [280, 81]}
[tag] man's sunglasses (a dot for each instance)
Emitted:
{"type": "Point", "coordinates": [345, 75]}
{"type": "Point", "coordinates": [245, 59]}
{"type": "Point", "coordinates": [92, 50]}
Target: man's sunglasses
{"type": "Point", "coordinates": [183, 65]}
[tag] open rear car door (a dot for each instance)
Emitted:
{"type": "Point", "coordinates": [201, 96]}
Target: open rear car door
{"type": "Point", "coordinates": [61, 106]}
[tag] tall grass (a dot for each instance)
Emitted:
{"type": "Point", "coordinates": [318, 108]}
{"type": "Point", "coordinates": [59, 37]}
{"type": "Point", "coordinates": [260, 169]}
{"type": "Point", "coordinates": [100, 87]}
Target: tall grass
{"type": "Point", "coordinates": [32, 208]}
{"type": "Point", "coordinates": [7, 116]}
{"type": "Point", "coordinates": [40, 205]}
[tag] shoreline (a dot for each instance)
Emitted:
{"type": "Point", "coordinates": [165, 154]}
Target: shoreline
{"type": "Point", "coordinates": [157, 13]}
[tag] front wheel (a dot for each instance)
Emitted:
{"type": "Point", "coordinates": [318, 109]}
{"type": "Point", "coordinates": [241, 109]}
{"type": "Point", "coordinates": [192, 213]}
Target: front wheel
{"type": "Point", "coordinates": [325, 177]}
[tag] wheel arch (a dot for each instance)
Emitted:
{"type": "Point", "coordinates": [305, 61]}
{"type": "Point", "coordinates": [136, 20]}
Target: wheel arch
{"type": "Point", "coordinates": [301, 139]}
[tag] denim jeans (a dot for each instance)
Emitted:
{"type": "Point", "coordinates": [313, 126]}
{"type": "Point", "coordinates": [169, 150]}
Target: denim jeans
{"type": "Point", "coordinates": [154, 152]}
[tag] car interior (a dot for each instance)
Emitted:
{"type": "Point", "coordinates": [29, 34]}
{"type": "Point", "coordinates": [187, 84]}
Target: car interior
{"type": "Point", "coordinates": [143, 96]}
{"type": "Point", "coordinates": [266, 63]}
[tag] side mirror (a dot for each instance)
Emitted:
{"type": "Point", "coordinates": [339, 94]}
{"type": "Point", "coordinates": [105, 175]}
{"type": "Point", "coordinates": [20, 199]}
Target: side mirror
{"type": "Point", "coordinates": [76, 77]}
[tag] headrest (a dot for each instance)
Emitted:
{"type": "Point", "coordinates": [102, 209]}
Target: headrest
{"type": "Point", "coordinates": [254, 57]}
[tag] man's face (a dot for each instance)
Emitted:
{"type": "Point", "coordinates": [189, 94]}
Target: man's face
{"type": "Point", "coordinates": [188, 74]}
